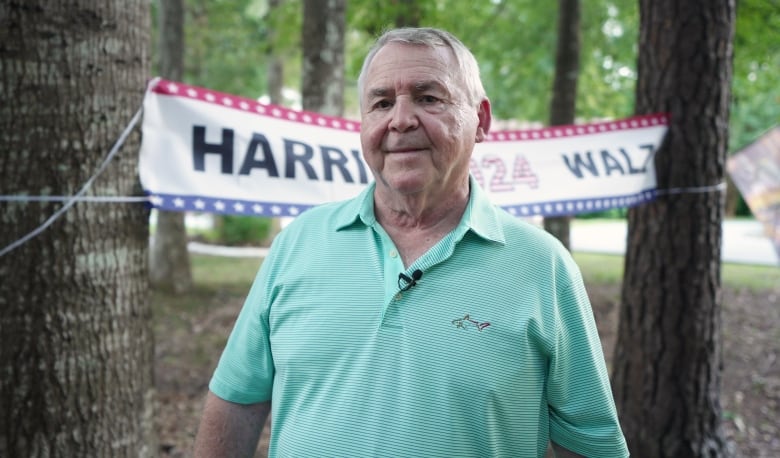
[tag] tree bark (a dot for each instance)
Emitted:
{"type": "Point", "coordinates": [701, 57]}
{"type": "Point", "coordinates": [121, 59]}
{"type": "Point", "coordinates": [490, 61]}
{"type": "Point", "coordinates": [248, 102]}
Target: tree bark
{"type": "Point", "coordinates": [169, 265]}
{"type": "Point", "coordinates": [76, 345]}
{"type": "Point", "coordinates": [667, 366]}
{"type": "Point", "coordinates": [275, 79]}
{"type": "Point", "coordinates": [324, 23]}
{"type": "Point", "coordinates": [564, 95]}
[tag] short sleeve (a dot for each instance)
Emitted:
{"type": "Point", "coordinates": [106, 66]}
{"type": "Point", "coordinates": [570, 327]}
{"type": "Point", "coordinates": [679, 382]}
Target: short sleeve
{"type": "Point", "coordinates": [583, 418]}
{"type": "Point", "coordinates": [245, 371]}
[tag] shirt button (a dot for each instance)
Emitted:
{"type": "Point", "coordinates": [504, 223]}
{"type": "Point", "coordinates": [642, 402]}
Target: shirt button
{"type": "Point", "coordinates": [397, 296]}
{"type": "Point", "coordinates": [393, 254]}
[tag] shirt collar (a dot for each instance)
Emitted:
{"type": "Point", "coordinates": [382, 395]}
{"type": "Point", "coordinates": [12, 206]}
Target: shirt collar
{"type": "Point", "coordinates": [481, 216]}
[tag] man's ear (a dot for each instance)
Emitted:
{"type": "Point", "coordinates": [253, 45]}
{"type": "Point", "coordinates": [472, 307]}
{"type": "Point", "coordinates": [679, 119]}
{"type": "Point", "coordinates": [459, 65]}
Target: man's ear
{"type": "Point", "coordinates": [485, 117]}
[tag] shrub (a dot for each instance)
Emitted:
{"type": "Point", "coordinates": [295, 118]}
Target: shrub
{"type": "Point", "coordinates": [242, 230]}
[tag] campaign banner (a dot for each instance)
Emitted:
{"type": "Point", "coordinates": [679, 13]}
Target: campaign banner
{"type": "Point", "coordinates": [756, 172]}
{"type": "Point", "coordinates": [207, 151]}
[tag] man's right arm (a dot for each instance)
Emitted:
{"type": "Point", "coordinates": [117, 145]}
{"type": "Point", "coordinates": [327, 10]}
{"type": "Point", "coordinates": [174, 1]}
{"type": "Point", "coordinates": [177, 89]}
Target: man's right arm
{"type": "Point", "coordinates": [228, 429]}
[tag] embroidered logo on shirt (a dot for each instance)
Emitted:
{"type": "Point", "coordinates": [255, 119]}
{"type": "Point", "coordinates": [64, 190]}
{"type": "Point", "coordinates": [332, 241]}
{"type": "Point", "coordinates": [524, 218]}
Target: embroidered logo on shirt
{"type": "Point", "coordinates": [467, 322]}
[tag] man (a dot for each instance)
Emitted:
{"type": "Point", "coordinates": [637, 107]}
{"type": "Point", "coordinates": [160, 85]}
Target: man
{"type": "Point", "coordinates": [416, 319]}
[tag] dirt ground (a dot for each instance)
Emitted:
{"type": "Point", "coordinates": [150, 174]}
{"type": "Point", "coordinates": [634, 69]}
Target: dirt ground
{"type": "Point", "coordinates": [188, 348]}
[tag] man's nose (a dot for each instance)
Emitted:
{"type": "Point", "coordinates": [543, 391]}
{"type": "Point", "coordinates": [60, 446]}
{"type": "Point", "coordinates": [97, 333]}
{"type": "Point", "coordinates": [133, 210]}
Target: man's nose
{"type": "Point", "coordinates": [404, 115]}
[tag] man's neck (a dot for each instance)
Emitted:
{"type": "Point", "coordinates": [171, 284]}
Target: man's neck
{"type": "Point", "coordinates": [416, 224]}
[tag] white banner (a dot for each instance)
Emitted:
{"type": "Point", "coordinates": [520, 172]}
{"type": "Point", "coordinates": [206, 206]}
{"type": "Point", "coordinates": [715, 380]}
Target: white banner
{"type": "Point", "coordinates": [207, 151]}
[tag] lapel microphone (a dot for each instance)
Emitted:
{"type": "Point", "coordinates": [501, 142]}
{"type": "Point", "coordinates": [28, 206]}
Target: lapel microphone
{"type": "Point", "coordinates": [405, 282]}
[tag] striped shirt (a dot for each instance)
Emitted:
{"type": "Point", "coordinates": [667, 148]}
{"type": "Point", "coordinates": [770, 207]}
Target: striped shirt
{"type": "Point", "coordinates": [494, 352]}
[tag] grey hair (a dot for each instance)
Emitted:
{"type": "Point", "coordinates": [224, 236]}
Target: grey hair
{"type": "Point", "coordinates": [426, 36]}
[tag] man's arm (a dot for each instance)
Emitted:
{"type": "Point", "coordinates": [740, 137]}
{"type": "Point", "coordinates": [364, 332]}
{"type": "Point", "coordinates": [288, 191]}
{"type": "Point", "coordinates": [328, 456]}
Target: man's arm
{"type": "Point", "coordinates": [228, 429]}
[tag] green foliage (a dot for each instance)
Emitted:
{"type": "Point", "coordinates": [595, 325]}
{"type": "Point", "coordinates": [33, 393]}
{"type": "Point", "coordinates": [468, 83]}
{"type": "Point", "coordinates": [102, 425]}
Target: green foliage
{"type": "Point", "coordinates": [235, 230]}
{"type": "Point", "coordinates": [514, 42]}
{"type": "Point", "coordinates": [228, 42]}
{"type": "Point", "coordinates": [756, 92]}
{"type": "Point", "coordinates": [614, 213]}
{"type": "Point", "coordinates": [608, 62]}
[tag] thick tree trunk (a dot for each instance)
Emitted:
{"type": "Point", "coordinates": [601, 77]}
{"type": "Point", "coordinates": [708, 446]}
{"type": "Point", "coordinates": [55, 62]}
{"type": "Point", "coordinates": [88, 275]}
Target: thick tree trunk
{"type": "Point", "coordinates": [563, 104]}
{"type": "Point", "coordinates": [76, 348]}
{"type": "Point", "coordinates": [169, 266]}
{"type": "Point", "coordinates": [667, 366]}
{"type": "Point", "coordinates": [324, 22]}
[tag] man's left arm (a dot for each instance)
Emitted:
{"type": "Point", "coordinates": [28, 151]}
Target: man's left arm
{"type": "Point", "coordinates": [583, 418]}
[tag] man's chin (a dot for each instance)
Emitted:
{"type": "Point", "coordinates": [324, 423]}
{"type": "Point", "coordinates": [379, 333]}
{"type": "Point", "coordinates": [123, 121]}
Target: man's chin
{"type": "Point", "coordinates": [406, 185]}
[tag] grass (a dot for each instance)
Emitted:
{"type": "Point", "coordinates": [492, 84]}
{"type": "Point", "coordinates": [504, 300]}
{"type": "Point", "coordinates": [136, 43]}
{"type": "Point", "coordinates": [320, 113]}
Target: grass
{"type": "Point", "coordinates": [222, 275]}
{"type": "Point", "coordinates": [600, 268]}
{"type": "Point", "coordinates": [215, 279]}
{"type": "Point", "coordinates": [604, 268]}
{"type": "Point", "coordinates": [216, 272]}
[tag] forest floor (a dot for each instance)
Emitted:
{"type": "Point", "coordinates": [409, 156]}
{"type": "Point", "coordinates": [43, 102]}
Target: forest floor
{"type": "Point", "coordinates": [189, 341]}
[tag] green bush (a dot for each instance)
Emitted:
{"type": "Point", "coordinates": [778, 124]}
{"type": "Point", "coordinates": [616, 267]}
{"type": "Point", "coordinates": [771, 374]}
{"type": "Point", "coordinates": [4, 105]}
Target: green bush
{"type": "Point", "coordinates": [242, 230]}
{"type": "Point", "coordinates": [614, 213]}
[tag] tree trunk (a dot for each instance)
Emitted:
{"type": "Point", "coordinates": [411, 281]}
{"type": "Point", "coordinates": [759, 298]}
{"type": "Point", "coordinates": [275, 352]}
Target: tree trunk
{"type": "Point", "coordinates": [667, 366]}
{"type": "Point", "coordinates": [323, 56]}
{"type": "Point", "coordinates": [275, 79]}
{"type": "Point", "coordinates": [564, 96]}
{"type": "Point", "coordinates": [408, 13]}
{"type": "Point", "coordinates": [76, 345]}
{"type": "Point", "coordinates": [275, 70]}
{"type": "Point", "coordinates": [169, 266]}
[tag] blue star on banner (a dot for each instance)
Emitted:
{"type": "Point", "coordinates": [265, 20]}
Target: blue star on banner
{"type": "Point", "coordinates": [173, 202]}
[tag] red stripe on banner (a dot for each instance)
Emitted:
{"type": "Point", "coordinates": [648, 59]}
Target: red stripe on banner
{"type": "Point", "coordinates": [574, 130]}
{"type": "Point", "coordinates": [222, 99]}
{"type": "Point", "coordinates": [177, 89]}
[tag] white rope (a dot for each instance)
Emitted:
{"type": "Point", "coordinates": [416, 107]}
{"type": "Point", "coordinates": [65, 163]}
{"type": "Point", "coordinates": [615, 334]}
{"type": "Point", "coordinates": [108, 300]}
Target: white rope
{"type": "Point", "coordinates": [115, 199]}
{"type": "Point", "coordinates": [695, 190]}
{"type": "Point", "coordinates": [70, 201]}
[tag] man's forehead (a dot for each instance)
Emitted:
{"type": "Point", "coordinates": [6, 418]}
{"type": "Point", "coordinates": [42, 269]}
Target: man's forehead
{"type": "Point", "coordinates": [391, 86]}
{"type": "Point", "coordinates": [423, 68]}
{"type": "Point", "coordinates": [396, 57]}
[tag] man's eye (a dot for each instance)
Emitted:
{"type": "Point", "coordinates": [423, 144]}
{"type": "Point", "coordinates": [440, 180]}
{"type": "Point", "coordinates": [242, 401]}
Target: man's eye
{"type": "Point", "coordinates": [428, 99]}
{"type": "Point", "coordinates": [382, 104]}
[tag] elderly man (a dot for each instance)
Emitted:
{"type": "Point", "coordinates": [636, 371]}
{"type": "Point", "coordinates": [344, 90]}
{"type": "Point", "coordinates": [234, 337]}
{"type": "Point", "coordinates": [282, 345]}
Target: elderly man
{"type": "Point", "coordinates": [416, 319]}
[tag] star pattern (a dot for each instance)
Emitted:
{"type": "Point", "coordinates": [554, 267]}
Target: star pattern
{"type": "Point", "coordinates": [225, 206]}
{"type": "Point", "coordinates": [244, 207]}
{"type": "Point", "coordinates": [569, 207]}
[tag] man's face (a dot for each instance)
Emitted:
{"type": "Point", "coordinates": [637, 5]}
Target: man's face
{"type": "Point", "coordinates": [418, 128]}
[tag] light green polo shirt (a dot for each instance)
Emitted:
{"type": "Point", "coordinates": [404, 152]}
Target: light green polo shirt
{"type": "Point", "coordinates": [492, 353]}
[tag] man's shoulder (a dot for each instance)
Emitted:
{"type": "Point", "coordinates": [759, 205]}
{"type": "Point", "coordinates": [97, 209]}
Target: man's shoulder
{"type": "Point", "coordinates": [327, 217]}
{"type": "Point", "coordinates": [529, 237]}
{"type": "Point", "coordinates": [329, 212]}
{"type": "Point", "coordinates": [523, 227]}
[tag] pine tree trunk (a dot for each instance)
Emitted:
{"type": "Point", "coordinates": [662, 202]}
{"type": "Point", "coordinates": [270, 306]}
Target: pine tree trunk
{"type": "Point", "coordinates": [275, 81]}
{"type": "Point", "coordinates": [76, 344]}
{"type": "Point", "coordinates": [667, 366]}
{"type": "Point", "coordinates": [564, 97]}
{"type": "Point", "coordinates": [169, 267]}
{"type": "Point", "coordinates": [324, 23]}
